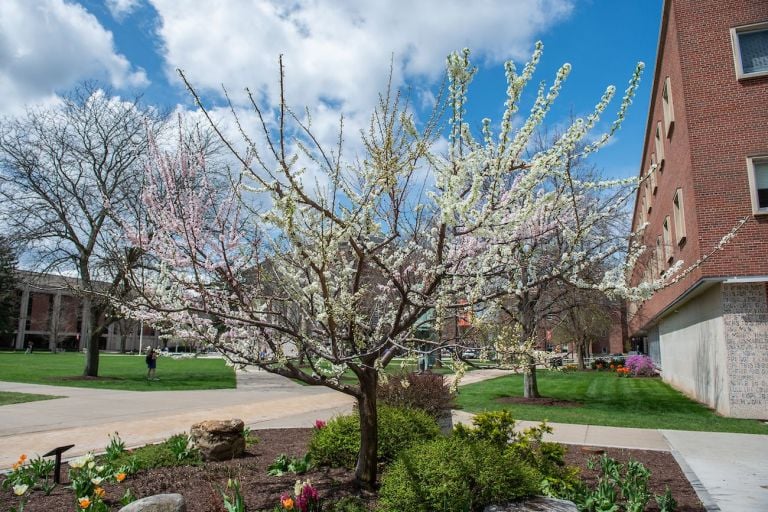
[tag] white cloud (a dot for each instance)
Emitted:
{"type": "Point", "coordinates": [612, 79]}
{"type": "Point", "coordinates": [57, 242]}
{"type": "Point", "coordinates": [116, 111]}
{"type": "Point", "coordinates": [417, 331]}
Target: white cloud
{"type": "Point", "coordinates": [337, 54]}
{"type": "Point", "coordinates": [122, 8]}
{"type": "Point", "coordinates": [339, 51]}
{"type": "Point", "coordinates": [48, 45]}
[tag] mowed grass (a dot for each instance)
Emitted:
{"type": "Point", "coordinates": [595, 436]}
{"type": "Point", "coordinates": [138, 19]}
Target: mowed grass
{"type": "Point", "coordinates": [605, 399]}
{"type": "Point", "coordinates": [124, 372]}
{"type": "Point", "coordinates": [9, 397]}
{"type": "Point", "coordinates": [396, 367]}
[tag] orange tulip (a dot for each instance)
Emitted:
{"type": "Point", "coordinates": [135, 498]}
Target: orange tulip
{"type": "Point", "coordinates": [84, 502]}
{"type": "Point", "coordinates": [23, 457]}
{"type": "Point", "coordinates": [98, 491]}
{"type": "Point", "coordinates": [120, 477]}
{"type": "Point", "coordinates": [287, 502]}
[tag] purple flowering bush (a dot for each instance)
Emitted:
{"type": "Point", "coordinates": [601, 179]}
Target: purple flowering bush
{"type": "Point", "coordinates": [640, 365]}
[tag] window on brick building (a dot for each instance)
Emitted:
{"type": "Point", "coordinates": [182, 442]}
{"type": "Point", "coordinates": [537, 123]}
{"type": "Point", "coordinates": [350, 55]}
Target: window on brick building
{"type": "Point", "coordinates": [659, 144]}
{"type": "Point", "coordinates": [652, 176]}
{"type": "Point", "coordinates": [669, 109]}
{"type": "Point", "coordinates": [660, 255]}
{"type": "Point", "coordinates": [750, 50]}
{"type": "Point", "coordinates": [668, 253]}
{"type": "Point", "coordinates": [758, 183]}
{"type": "Point", "coordinates": [678, 208]}
{"type": "Point", "coordinates": [648, 195]}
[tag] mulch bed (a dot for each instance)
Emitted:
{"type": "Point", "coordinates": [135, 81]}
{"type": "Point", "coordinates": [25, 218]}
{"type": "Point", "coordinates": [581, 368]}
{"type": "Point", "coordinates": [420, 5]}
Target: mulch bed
{"type": "Point", "coordinates": [550, 402]}
{"type": "Point", "coordinates": [665, 472]}
{"type": "Point", "coordinates": [200, 485]}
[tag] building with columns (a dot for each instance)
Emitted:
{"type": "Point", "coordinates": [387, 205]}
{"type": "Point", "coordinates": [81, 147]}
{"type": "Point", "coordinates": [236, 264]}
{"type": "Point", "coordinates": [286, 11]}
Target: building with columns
{"type": "Point", "coordinates": [705, 171]}
{"type": "Point", "coordinates": [50, 317]}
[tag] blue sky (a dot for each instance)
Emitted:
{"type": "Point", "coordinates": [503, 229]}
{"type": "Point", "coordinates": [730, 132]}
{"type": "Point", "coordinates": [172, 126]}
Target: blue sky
{"type": "Point", "coordinates": [337, 52]}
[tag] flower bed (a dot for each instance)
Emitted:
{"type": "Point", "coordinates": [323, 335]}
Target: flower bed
{"type": "Point", "coordinates": [202, 485]}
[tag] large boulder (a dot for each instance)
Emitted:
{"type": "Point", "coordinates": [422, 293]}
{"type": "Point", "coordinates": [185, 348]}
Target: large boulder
{"type": "Point", "coordinates": [535, 504]}
{"type": "Point", "coordinates": [219, 439]}
{"type": "Point", "coordinates": [157, 503]}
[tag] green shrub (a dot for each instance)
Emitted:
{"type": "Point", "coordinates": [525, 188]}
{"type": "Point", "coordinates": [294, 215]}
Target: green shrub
{"type": "Point", "coordinates": [455, 474]}
{"type": "Point", "coordinates": [338, 443]}
{"type": "Point", "coordinates": [347, 504]}
{"type": "Point", "coordinates": [427, 391]}
{"type": "Point", "coordinates": [498, 428]}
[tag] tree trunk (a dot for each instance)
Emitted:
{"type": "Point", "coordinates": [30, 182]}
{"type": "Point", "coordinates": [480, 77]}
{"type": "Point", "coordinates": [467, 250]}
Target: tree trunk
{"type": "Point", "coordinates": [526, 308]}
{"type": "Point", "coordinates": [365, 470]}
{"type": "Point", "coordinates": [580, 354]}
{"type": "Point", "coordinates": [92, 354]}
{"type": "Point", "coordinates": [90, 335]}
{"type": "Point", "coordinates": [530, 386]}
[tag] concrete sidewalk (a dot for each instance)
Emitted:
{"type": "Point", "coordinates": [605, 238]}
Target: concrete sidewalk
{"type": "Point", "coordinates": [731, 468]}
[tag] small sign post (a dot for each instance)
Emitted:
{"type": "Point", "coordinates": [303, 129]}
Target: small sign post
{"type": "Point", "coordinates": [57, 452]}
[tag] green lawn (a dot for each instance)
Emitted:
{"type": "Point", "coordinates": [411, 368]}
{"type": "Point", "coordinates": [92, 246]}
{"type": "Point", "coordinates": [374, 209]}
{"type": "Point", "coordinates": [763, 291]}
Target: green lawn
{"type": "Point", "coordinates": [397, 366]}
{"type": "Point", "coordinates": [605, 400]}
{"type": "Point", "coordinates": [124, 372]}
{"type": "Point", "coordinates": [8, 397]}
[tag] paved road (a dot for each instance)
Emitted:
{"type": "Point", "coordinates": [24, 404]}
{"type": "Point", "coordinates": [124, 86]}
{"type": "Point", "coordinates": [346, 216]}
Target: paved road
{"type": "Point", "coordinates": [729, 471]}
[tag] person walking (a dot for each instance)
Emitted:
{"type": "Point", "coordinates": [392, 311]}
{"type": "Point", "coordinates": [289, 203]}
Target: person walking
{"type": "Point", "coordinates": [151, 361]}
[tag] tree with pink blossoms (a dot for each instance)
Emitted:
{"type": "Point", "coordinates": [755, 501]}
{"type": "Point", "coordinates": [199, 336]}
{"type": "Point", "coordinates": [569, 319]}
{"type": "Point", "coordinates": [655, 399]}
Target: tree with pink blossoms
{"type": "Point", "coordinates": [308, 263]}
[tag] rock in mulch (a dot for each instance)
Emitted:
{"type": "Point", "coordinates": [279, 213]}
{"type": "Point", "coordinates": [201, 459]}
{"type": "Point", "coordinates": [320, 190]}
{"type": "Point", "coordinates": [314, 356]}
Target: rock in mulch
{"type": "Point", "coordinates": [157, 503]}
{"type": "Point", "coordinates": [219, 439]}
{"type": "Point", "coordinates": [535, 504]}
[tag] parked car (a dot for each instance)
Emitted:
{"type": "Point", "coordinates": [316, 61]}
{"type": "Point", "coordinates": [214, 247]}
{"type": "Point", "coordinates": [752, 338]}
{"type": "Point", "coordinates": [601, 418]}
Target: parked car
{"type": "Point", "coordinates": [471, 353]}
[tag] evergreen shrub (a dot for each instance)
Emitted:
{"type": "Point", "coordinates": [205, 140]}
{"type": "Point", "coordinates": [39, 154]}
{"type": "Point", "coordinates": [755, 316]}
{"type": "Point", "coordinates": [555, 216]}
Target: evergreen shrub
{"type": "Point", "coordinates": [455, 474]}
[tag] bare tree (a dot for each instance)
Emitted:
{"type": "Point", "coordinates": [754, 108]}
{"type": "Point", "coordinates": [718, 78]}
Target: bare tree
{"type": "Point", "coordinates": [9, 303]}
{"type": "Point", "coordinates": [587, 317]}
{"type": "Point", "coordinates": [67, 173]}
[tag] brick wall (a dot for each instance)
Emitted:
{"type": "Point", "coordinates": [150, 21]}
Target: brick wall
{"type": "Point", "coordinates": [719, 121]}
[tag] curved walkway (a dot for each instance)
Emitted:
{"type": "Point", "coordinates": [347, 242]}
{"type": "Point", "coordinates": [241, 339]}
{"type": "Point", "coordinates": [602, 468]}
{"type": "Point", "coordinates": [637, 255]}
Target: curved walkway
{"type": "Point", "coordinates": [86, 417]}
{"type": "Point", "coordinates": [729, 471]}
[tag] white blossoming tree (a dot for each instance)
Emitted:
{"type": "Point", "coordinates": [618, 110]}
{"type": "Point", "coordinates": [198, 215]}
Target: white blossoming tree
{"type": "Point", "coordinates": [310, 264]}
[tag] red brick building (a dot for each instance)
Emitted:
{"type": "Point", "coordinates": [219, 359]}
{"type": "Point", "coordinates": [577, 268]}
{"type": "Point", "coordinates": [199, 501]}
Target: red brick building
{"type": "Point", "coordinates": [50, 318]}
{"type": "Point", "coordinates": [707, 134]}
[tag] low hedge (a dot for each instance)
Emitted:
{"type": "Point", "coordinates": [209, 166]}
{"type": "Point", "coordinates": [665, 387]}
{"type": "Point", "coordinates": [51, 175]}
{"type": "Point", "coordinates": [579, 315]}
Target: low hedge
{"type": "Point", "coordinates": [455, 474]}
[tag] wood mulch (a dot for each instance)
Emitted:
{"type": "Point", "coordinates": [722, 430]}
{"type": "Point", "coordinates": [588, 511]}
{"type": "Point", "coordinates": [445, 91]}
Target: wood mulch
{"type": "Point", "coordinates": [201, 485]}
